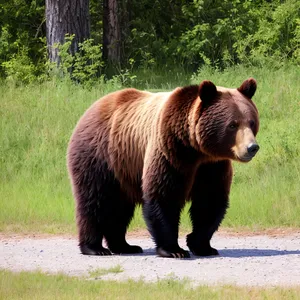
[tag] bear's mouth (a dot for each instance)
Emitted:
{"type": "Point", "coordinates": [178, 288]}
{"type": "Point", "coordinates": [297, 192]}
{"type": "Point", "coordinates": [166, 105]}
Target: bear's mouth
{"type": "Point", "coordinates": [245, 158]}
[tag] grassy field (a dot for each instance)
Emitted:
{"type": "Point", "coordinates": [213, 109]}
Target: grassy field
{"type": "Point", "coordinates": [37, 121]}
{"type": "Point", "coordinates": [41, 286]}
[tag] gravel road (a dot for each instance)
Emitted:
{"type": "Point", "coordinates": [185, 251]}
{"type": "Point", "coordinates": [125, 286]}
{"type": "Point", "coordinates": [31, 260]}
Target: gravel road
{"type": "Point", "coordinates": [245, 260]}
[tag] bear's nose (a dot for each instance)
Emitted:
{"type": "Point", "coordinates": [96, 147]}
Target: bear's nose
{"type": "Point", "coordinates": [252, 149]}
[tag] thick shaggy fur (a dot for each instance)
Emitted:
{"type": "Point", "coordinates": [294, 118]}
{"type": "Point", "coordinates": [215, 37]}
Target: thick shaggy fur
{"type": "Point", "coordinates": [159, 150]}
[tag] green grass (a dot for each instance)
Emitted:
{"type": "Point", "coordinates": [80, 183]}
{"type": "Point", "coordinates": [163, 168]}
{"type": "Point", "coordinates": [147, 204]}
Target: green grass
{"type": "Point", "coordinates": [101, 272]}
{"type": "Point", "coordinates": [37, 121]}
{"type": "Point", "coordinates": [27, 285]}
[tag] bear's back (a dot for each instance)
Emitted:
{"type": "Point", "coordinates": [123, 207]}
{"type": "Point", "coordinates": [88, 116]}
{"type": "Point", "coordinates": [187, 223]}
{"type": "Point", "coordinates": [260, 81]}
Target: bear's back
{"type": "Point", "coordinates": [134, 124]}
{"type": "Point", "coordinates": [117, 130]}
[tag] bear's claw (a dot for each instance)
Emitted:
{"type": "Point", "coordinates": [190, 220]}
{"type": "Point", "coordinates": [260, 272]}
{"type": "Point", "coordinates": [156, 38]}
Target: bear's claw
{"type": "Point", "coordinates": [87, 250]}
{"type": "Point", "coordinates": [178, 253]}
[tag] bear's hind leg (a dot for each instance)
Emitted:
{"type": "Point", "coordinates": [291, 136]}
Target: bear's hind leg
{"type": "Point", "coordinates": [90, 228]}
{"type": "Point", "coordinates": [121, 210]}
{"type": "Point", "coordinates": [93, 185]}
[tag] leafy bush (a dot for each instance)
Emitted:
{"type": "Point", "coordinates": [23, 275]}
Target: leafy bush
{"type": "Point", "coordinates": [22, 36]}
{"type": "Point", "coordinates": [20, 68]}
{"type": "Point", "coordinates": [85, 65]}
{"type": "Point", "coordinates": [247, 32]}
{"type": "Point", "coordinates": [278, 34]}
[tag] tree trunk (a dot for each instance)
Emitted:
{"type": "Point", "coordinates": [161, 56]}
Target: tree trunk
{"type": "Point", "coordinates": [66, 17]}
{"type": "Point", "coordinates": [125, 19]}
{"type": "Point", "coordinates": [111, 32]}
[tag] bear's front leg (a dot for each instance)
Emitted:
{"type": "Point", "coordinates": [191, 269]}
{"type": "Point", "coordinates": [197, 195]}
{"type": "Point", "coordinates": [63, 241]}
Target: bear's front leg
{"type": "Point", "coordinates": [163, 220]}
{"type": "Point", "coordinates": [210, 194]}
{"type": "Point", "coordinates": [164, 197]}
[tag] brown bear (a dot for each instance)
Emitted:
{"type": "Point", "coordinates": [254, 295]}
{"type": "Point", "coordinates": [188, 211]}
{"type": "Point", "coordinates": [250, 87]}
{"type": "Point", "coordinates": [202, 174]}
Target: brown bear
{"type": "Point", "coordinates": [159, 150]}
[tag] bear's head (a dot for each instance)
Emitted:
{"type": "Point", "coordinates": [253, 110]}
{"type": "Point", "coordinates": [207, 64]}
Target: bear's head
{"type": "Point", "coordinates": [228, 121]}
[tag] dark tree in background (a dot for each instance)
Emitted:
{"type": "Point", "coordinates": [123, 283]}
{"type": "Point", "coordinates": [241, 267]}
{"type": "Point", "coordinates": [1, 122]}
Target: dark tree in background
{"type": "Point", "coordinates": [111, 32]}
{"type": "Point", "coordinates": [66, 17]}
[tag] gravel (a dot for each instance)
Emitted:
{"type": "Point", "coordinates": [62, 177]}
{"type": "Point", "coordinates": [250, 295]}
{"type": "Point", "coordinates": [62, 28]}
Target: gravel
{"type": "Point", "coordinates": [245, 261]}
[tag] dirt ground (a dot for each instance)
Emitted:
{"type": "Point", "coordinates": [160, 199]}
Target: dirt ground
{"type": "Point", "coordinates": [270, 258]}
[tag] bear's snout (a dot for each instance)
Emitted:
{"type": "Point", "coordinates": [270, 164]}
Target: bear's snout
{"type": "Point", "coordinates": [252, 149]}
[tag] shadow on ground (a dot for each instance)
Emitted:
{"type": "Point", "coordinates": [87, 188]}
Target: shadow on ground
{"type": "Point", "coordinates": [231, 253]}
{"type": "Point", "coordinates": [237, 253]}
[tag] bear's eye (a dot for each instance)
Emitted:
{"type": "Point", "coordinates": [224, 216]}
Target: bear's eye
{"type": "Point", "coordinates": [252, 124]}
{"type": "Point", "coordinates": [233, 125]}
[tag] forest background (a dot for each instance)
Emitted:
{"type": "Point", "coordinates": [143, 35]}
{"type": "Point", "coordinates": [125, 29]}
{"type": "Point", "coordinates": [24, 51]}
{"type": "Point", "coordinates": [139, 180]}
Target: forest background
{"type": "Point", "coordinates": [110, 37]}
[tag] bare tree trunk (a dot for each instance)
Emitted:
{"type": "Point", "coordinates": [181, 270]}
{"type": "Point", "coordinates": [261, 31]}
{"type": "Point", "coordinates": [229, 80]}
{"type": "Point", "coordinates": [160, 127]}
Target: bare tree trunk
{"type": "Point", "coordinates": [66, 17]}
{"type": "Point", "coordinates": [125, 18]}
{"type": "Point", "coordinates": [111, 32]}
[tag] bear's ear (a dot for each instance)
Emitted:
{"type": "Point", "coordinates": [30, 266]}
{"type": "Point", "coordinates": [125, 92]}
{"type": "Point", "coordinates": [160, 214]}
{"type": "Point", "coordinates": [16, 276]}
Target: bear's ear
{"type": "Point", "coordinates": [207, 91]}
{"type": "Point", "coordinates": [248, 87]}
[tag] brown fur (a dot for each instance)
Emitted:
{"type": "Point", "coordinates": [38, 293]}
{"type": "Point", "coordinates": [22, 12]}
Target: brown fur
{"type": "Point", "coordinates": [146, 140]}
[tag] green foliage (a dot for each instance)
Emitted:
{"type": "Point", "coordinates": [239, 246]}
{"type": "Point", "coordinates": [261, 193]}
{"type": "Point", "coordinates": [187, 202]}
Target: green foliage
{"type": "Point", "coordinates": [210, 40]}
{"type": "Point", "coordinates": [85, 65]}
{"type": "Point", "coordinates": [88, 61]}
{"type": "Point", "coordinates": [219, 33]}
{"type": "Point", "coordinates": [20, 68]}
{"type": "Point", "coordinates": [22, 35]}
{"type": "Point", "coordinates": [216, 33]}
{"type": "Point", "coordinates": [154, 33]}
{"type": "Point", "coordinates": [247, 32]}
{"type": "Point", "coordinates": [277, 35]}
